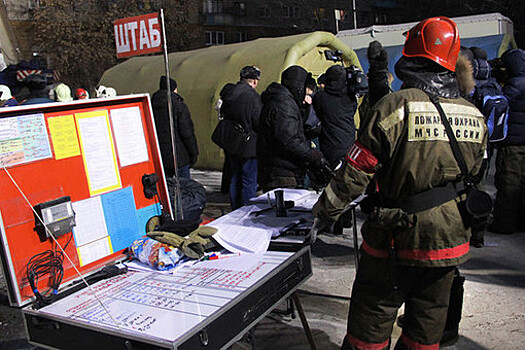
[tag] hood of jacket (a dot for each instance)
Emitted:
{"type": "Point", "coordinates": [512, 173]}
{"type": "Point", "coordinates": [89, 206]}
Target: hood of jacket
{"type": "Point", "coordinates": [514, 61]}
{"type": "Point", "coordinates": [276, 91]}
{"type": "Point", "coordinates": [294, 79]}
{"type": "Point", "coordinates": [423, 74]}
{"type": "Point", "coordinates": [335, 78]}
{"type": "Point", "coordinates": [465, 75]}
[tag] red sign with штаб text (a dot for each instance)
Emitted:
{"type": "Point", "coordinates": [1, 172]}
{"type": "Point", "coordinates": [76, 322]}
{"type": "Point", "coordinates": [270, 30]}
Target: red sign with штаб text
{"type": "Point", "coordinates": [137, 35]}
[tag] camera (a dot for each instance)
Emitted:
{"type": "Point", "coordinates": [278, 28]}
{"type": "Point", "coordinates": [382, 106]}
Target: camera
{"type": "Point", "coordinates": [332, 55]}
{"type": "Point", "coordinates": [356, 80]}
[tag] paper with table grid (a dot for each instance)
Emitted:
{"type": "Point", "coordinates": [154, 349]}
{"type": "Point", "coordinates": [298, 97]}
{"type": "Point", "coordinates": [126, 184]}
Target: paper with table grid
{"type": "Point", "coordinates": [161, 307]}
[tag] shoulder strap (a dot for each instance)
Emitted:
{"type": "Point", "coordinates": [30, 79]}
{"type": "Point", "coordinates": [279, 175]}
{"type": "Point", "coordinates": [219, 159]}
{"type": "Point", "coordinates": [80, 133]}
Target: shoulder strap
{"type": "Point", "coordinates": [452, 139]}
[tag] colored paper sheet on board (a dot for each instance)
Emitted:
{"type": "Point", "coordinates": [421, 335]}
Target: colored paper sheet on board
{"type": "Point", "coordinates": [146, 213]}
{"type": "Point", "coordinates": [23, 139]}
{"type": "Point", "coordinates": [98, 151]}
{"type": "Point", "coordinates": [64, 136]}
{"type": "Point", "coordinates": [121, 217]}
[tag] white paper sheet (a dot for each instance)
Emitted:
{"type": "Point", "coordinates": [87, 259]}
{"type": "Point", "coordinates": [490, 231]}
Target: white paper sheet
{"type": "Point", "coordinates": [94, 251]}
{"type": "Point", "coordinates": [242, 239]}
{"type": "Point", "coordinates": [90, 222]}
{"type": "Point", "coordinates": [129, 135]}
{"type": "Point", "coordinates": [98, 153]}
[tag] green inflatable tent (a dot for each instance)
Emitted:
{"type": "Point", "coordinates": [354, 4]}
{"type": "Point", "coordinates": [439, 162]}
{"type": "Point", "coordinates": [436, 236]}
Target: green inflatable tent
{"type": "Point", "coordinates": [201, 74]}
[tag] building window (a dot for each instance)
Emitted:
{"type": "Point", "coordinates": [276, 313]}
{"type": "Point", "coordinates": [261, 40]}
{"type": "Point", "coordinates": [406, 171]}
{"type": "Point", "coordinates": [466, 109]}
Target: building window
{"type": "Point", "coordinates": [290, 11]}
{"type": "Point", "coordinates": [240, 8]}
{"type": "Point", "coordinates": [242, 36]}
{"type": "Point", "coordinates": [212, 6]}
{"type": "Point", "coordinates": [265, 12]}
{"type": "Point", "coordinates": [214, 38]}
{"type": "Point", "coordinates": [36, 4]}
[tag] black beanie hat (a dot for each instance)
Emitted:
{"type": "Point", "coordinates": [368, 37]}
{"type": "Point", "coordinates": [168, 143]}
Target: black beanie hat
{"type": "Point", "coordinates": [162, 84]}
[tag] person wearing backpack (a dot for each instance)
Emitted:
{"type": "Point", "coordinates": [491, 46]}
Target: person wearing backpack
{"type": "Point", "coordinates": [509, 206]}
{"type": "Point", "coordinates": [487, 95]}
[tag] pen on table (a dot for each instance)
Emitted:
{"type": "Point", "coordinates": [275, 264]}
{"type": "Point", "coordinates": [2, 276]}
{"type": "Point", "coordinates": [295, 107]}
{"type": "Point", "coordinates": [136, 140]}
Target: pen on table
{"type": "Point", "coordinates": [223, 256]}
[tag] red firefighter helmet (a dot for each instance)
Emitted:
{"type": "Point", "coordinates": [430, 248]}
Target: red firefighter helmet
{"type": "Point", "coordinates": [435, 38]}
{"type": "Point", "coordinates": [81, 94]}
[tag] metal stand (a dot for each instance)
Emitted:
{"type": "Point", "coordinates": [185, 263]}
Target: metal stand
{"type": "Point", "coordinates": [304, 321]}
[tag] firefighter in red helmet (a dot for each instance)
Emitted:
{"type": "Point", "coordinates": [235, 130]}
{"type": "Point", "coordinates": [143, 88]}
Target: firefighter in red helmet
{"type": "Point", "coordinates": [416, 234]}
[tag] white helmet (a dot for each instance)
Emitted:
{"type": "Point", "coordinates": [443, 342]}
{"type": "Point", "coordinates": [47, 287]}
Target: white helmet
{"type": "Point", "coordinates": [103, 92]}
{"type": "Point", "coordinates": [5, 92]}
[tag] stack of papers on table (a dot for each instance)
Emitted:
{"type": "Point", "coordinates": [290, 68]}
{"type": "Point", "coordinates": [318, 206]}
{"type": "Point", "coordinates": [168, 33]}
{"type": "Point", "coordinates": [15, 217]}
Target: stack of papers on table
{"type": "Point", "coordinates": [242, 239]}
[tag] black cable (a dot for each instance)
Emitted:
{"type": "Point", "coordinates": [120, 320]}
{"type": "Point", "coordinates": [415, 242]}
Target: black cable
{"type": "Point", "coordinates": [48, 263]}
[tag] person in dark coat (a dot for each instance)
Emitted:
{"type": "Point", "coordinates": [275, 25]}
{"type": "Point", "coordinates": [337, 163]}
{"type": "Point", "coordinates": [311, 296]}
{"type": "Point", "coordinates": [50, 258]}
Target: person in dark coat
{"type": "Point", "coordinates": [282, 149]}
{"type": "Point", "coordinates": [509, 206]}
{"type": "Point", "coordinates": [187, 150]}
{"type": "Point", "coordinates": [36, 83]}
{"type": "Point", "coordinates": [335, 109]}
{"type": "Point", "coordinates": [242, 104]}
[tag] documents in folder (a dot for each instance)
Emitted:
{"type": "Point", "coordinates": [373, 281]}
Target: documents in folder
{"type": "Point", "coordinates": [239, 239]}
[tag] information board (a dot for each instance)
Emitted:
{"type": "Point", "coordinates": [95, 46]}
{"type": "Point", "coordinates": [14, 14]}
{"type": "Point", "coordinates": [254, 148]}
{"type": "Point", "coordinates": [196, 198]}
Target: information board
{"type": "Point", "coordinates": [94, 151]}
{"type": "Point", "coordinates": [161, 307]}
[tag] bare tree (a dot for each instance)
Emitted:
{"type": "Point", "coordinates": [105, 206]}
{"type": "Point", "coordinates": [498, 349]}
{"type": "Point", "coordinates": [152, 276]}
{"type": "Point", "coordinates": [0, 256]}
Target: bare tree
{"type": "Point", "coordinates": [78, 35]}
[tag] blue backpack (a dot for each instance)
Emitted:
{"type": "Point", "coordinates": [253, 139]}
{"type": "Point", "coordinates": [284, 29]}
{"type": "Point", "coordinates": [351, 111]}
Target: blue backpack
{"type": "Point", "coordinates": [494, 106]}
{"type": "Point", "coordinates": [496, 111]}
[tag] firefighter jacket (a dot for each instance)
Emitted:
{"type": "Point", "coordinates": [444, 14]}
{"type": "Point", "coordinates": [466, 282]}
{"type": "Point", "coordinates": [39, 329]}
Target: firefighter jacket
{"type": "Point", "coordinates": [405, 147]}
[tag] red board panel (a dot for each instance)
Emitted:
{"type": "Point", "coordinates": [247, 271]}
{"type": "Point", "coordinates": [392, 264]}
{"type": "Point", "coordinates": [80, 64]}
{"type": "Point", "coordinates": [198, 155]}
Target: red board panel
{"type": "Point", "coordinates": [47, 179]}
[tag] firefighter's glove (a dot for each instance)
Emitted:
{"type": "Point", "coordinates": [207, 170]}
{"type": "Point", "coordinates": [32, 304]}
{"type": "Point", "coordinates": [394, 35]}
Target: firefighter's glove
{"type": "Point", "coordinates": [198, 242]}
{"type": "Point", "coordinates": [168, 238]}
{"type": "Point", "coordinates": [377, 56]}
{"type": "Point", "coordinates": [192, 246]}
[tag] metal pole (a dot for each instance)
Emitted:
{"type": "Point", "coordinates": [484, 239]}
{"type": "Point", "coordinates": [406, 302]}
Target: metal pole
{"type": "Point", "coordinates": [354, 11]}
{"type": "Point", "coordinates": [178, 201]}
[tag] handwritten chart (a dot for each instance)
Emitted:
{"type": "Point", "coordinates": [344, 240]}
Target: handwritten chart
{"type": "Point", "coordinates": [23, 139]}
{"type": "Point", "coordinates": [158, 306]}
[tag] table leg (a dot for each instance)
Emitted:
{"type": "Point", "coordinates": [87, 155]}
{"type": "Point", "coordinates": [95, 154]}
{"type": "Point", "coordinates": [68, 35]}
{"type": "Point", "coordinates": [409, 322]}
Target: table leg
{"type": "Point", "coordinates": [304, 321]}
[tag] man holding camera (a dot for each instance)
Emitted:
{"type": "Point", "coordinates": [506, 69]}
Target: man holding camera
{"type": "Point", "coordinates": [415, 235]}
{"type": "Point", "coordinates": [335, 109]}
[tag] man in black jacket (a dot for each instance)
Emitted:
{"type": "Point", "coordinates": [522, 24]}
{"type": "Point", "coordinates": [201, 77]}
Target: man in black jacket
{"type": "Point", "coordinates": [509, 206]}
{"type": "Point", "coordinates": [186, 147]}
{"type": "Point", "coordinates": [282, 149]}
{"type": "Point", "coordinates": [242, 104]}
{"type": "Point", "coordinates": [335, 109]}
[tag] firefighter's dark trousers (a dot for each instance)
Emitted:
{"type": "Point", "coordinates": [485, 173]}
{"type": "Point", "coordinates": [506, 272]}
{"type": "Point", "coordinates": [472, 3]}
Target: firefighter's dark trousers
{"type": "Point", "coordinates": [374, 305]}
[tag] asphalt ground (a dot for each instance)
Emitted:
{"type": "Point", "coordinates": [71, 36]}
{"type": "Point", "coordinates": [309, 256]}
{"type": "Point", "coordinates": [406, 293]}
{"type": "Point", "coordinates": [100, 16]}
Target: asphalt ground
{"type": "Point", "coordinates": [494, 301]}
